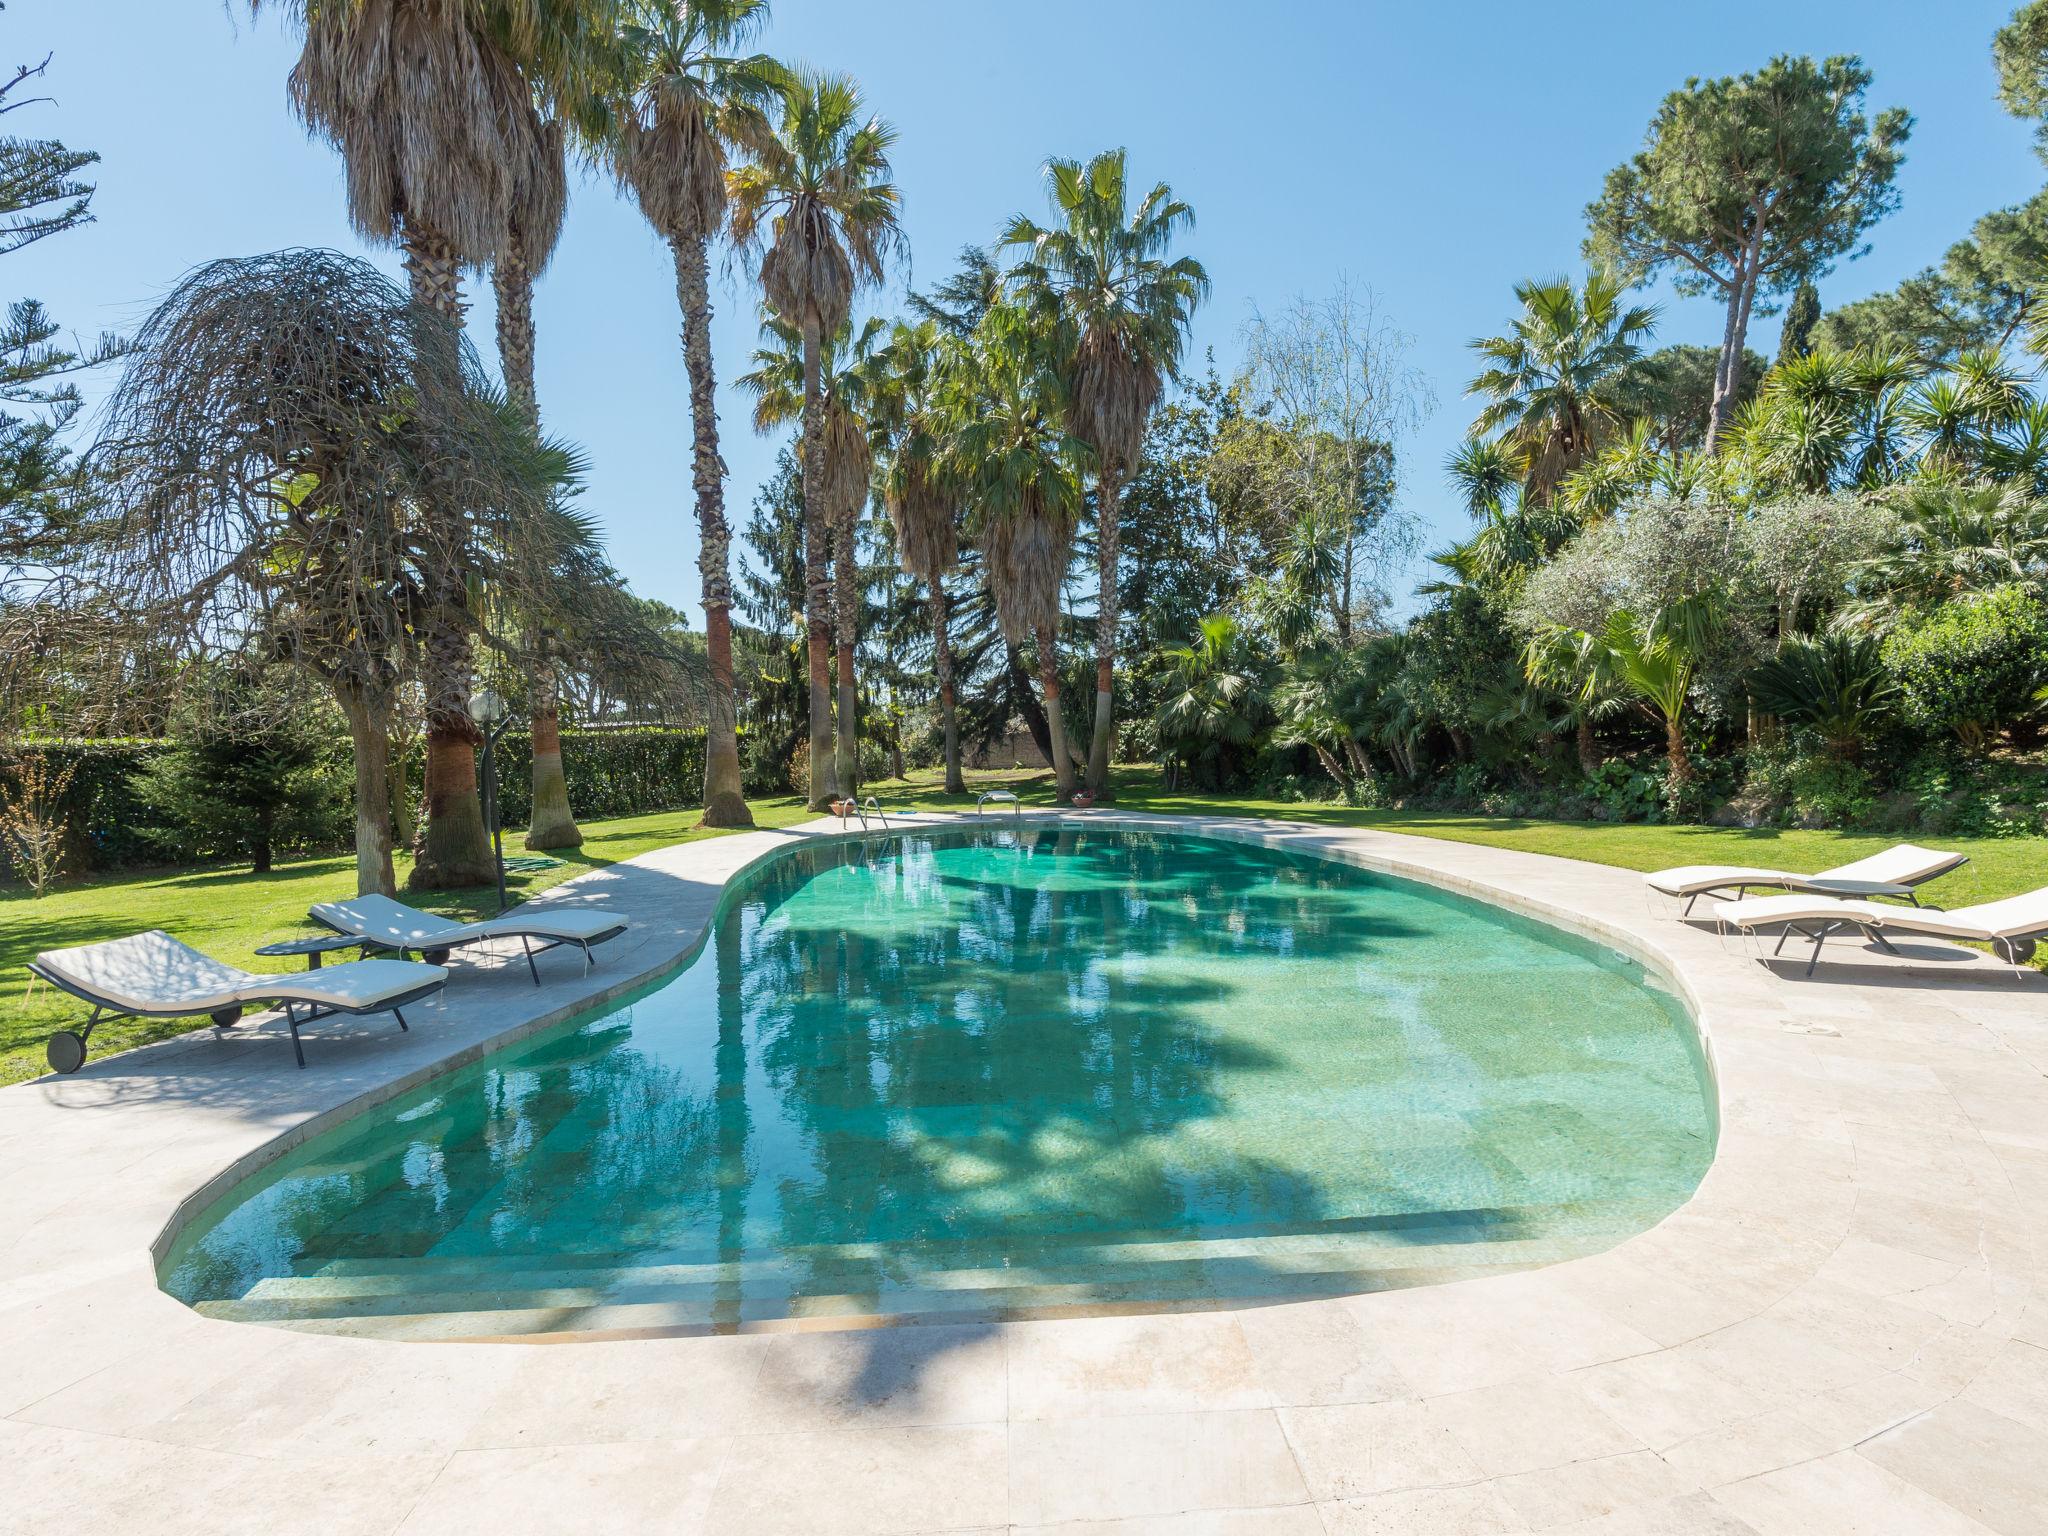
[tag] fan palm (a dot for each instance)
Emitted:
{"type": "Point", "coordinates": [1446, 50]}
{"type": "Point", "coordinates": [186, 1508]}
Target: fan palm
{"type": "Point", "coordinates": [851, 376]}
{"type": "Point", "coordinates": [426, 103]}
{"type": "Point", "coordinates": [923, 503]}
{"type": "Point", "coordinates": [1010, 451]}
{"type": "Point", "coordinates": [1215, 701]}
{"type": "Point", "coordinates": [1123, 310]}
{"type": "Point", "coordinates": [817, 193]}
{"type": "Point", "coordinates": [692, 97]}
{"type": "Point", "coordinates": [1953, 539]}
{"type": "Point", "coordinates": [1554, 384]}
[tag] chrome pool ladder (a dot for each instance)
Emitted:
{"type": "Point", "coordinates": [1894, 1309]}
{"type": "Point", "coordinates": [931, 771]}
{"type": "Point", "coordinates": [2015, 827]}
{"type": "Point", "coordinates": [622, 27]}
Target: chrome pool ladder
{"type": "Point", "coordinates": [1000, 796]}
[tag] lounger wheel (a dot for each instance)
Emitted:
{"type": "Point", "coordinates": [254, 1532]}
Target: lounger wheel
{"type": "Point", "coordinates": [65, 1052]}
{"type": "Point", "coordinates": [226, 1018]}
{"type": "Point", "coordinates": [2014, 951]}
{"type": "Point", "coordinates": [434, 956]}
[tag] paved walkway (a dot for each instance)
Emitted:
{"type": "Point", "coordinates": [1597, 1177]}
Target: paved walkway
{"type": "Point", "coordinates": [1844, 1330]}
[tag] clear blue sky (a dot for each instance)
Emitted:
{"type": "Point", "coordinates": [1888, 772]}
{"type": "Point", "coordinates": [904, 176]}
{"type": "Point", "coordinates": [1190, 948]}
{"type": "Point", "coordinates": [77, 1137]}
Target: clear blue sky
{"type": "Point", "coordinates": [1437, 153]}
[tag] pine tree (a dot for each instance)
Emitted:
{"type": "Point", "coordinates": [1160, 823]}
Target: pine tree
{"type": "Point", "coordinates": [40, 196]}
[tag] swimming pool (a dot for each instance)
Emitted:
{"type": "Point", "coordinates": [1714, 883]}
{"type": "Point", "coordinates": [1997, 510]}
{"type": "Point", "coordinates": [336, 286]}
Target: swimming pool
{"type": "Point", "coordinates": [1002, 1073]}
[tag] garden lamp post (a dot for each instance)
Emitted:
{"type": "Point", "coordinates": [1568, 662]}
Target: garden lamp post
{"type": "Point", "coordinates": [490, 712]}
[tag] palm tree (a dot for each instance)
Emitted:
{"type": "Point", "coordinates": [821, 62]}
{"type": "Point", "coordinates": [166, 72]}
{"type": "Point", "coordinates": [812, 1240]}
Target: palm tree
{"type": "Point", "coordinates": [818, 191]}
{"type": "Point", "coordinates": [1555, 384]}
{"type": "Point", "coordinates": [1215, 702]}
{"type": "Point", "coordinates": [1653, 657]}
{"type": "Point", "coordinates": [426, 102]}
{"type": "Point", "coordinates": [1952, 539]}
{"type": "Point", "coordinates": [535, 207]}
{"type": "Point", "coordinates": [1012, 453]}
{"type": "Point", "coordinates": [693, 97]}
{"type": "Point", "coordinates": [851, 380]}
{"type": "Point", "coordinates": [924, 505]}
{"type": "Point", "coordinates": [1123, 311]}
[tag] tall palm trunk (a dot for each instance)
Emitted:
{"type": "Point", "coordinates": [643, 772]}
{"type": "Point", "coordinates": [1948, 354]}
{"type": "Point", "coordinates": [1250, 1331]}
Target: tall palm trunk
{"type": "Point", "coordinates": [1108, 497]}
{"type": "Point", "coordinates": [846, 619]}
{"type": "Point", "coordinates": [725, 803]}
{"type": "Point", "coordinates": [1680, 773]}
{"type": "Point", "coordinates": [942, 665]}
{"type": "Point", "coordinates": [1055, 721]}
{"type": "Point", "coordinates": [368, 712]}
{"type": "Point", "coordinates": [817, 579]}
{"type": "Point", "coordinates": [552, 824]}
{"type": "Point", "coordinates": [454, 847]}
{"type": "Point", "coordinates": [512, 277]}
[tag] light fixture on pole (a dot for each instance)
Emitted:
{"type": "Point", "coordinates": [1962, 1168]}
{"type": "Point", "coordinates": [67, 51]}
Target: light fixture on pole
{"type": "Point", "coordinates": [488, 710]}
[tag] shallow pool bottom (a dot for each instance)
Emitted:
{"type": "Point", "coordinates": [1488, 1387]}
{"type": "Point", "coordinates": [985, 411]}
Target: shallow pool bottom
{"type": "Point", "coordinates": [1026, 1073]}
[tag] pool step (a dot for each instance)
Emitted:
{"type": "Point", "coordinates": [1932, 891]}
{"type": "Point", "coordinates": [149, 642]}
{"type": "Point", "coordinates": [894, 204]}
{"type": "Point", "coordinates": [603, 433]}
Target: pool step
{"type": "Point", "coordinates": [1401, 1230]}
{"type": "Point", "coordinates": [502, 1314]}
{"type": "Point", "coordinates": [443, 1296]}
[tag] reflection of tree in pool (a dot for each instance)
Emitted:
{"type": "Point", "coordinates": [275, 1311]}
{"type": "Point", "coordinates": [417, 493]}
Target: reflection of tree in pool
{"type": "Point", "coordinates": [628, 1160]}
{"type": "Point", "coordinates": [965, 1063]}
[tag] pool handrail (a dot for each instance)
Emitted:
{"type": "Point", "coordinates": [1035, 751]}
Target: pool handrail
{"type": "Point", "coordinates": [999, 796]}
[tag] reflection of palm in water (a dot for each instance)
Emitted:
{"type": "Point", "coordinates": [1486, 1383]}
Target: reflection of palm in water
{"type": "Point", "coordinates": [995, 1049]}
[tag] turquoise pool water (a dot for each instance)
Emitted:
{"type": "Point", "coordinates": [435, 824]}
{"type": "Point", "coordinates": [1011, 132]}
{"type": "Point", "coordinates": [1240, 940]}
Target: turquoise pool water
{"type": "Point", "coordinates": [1013, 1073]}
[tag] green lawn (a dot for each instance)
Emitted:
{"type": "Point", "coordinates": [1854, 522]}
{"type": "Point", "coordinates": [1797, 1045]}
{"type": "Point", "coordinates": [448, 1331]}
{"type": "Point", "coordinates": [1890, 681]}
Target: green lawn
{"type": "Point", "coordinates": [229, 913]}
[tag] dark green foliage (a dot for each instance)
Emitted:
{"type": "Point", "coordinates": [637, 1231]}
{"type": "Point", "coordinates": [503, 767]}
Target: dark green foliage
{"type": "Point", "coordinates": [1214, 707]}
{"type": "Point", "coordinates": [620, 772]}
{"type": "Point", "coordinates": [110, 826]}
{"type": "Point", "coordinates": [1673, 388]}
{"type": "Point", "coordinates": [1795, 338]}
{"type": "Point", "coordinates": [1838, 686]}
{"type": "Point", "coordinates": [1987, 291]}
{"type": "Point", "coordinates": [1973, 665]}
{"type": "Point", "coordinates": [248, 777]}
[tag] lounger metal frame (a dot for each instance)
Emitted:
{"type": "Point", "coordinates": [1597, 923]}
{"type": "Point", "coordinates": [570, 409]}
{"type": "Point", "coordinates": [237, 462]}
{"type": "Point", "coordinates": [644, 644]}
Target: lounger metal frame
{"type": "Point", "coordinates": [526, 943]}
{"type": "Point", "coordinates": [104, 1011]}
{"type": "Point", "coordinates": [2001, 947]}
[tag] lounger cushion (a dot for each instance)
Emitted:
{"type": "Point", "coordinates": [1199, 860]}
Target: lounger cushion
{"type": "Point", "coordinates": [357, 986]}
{"type": "Point", "coordinates": [155, 973]}
{"type": "Point", "coordinates": [1690, 879]}
{"type": "Point", "coordinates": [1754, 910]}
{"type": "Point", "coordinates": [2014, 917]}
{"type": "Point", "coordinates": [397, 926]}
{"type": "Point", "coordinates": [1902, 865]}
{"type": "Point", "coordinates": [148, 973]}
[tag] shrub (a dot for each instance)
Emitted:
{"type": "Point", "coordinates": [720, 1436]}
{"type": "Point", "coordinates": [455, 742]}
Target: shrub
{"type": "Point", "coordinates": [1972, 665]}
{"type": "Point", "coordinates": [33, 830]}
{"type": "Point", "coordinates": [1624, 792]}
{"type": "Point", "coordinates": [247, 783]}
{"type": "Point", "coordinates": [1837, 686]}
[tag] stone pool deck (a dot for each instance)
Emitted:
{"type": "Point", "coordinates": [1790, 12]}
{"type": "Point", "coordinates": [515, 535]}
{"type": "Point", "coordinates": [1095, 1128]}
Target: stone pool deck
{"type": "Point", "coordinates": [1845, 1330]}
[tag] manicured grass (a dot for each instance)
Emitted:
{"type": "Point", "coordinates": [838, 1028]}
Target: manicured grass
{"type": "Point", "coordinates": [229, 913]}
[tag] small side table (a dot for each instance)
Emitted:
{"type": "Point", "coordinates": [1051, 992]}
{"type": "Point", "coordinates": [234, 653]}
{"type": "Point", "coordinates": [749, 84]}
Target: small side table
{"type": "Point", "coordinates": [313, 948]}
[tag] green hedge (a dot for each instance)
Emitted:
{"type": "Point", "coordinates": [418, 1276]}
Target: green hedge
{"type": "Point", "coordinates": [629, 771]}
{"type": "Point", "coordinates": [625, 772]}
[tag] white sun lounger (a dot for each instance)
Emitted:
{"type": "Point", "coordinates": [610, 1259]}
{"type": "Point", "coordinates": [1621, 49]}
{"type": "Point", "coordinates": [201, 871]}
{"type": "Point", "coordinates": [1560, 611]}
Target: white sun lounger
{"type": "Point", "coordinates": [2010, 926]}
{"type": "Point", "coordinates": [1892, 873]}
{"type": "Point", "coordinates": [154, 976]}
{"type": "Point", "coordinates": [382, 923]}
